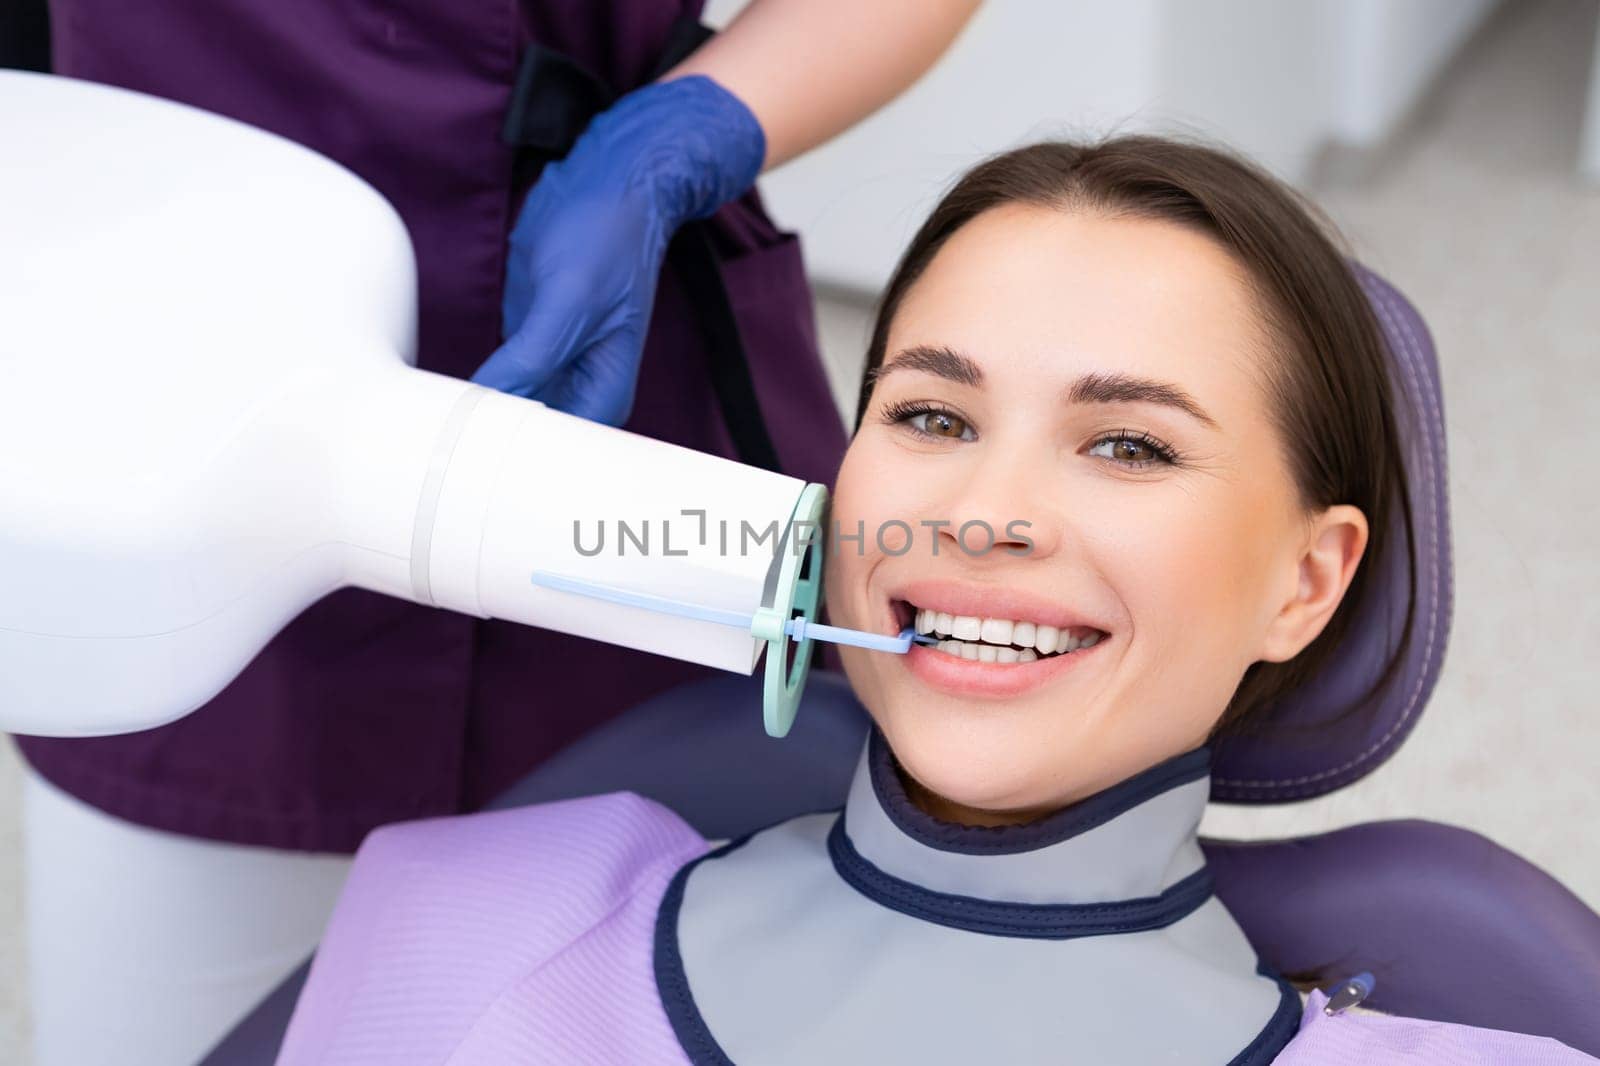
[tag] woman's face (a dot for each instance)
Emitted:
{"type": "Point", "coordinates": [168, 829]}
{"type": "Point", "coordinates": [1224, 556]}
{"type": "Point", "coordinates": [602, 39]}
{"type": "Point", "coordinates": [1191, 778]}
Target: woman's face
{"type": "Point", "coordinates": [1033, 377]}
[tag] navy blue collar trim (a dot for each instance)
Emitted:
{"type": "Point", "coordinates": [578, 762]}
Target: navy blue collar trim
{"type": "Point", "coordinates": [672, 983]}
{"type": "Point", "coordinates": [1053, 828]}
{"type": "Point", "coordinates": [1281, 1027]}
{"type": "Point", "coordinates": [702, 1049]}
{"type": "Point", "coordinates": [1041, 921]}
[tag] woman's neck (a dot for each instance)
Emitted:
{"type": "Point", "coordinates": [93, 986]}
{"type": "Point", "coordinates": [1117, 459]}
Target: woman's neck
{"type": "Point", "coordinates": [948, 810]}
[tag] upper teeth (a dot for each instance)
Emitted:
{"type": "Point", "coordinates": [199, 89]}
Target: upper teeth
{"type": "Point", "coordinates": [1046, 639]}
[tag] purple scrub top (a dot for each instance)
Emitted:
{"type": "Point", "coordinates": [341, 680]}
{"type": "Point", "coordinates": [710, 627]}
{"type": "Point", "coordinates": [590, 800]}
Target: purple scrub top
{"type": "Point", "coordinates": [368, 710]}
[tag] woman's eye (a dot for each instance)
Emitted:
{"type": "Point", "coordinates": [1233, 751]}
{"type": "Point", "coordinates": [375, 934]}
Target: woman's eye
{"type": "Point", "coordinates": [1133, 450]}
{"type": "Point", "coordinates": [942, 424]}
{"type": "Point", "coordinates": [926, 421]}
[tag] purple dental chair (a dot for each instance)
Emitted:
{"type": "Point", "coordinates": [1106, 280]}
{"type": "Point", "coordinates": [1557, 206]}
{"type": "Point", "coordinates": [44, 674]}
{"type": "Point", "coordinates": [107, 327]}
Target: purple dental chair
{"type": "Point", "coordinates": [1453, 927]}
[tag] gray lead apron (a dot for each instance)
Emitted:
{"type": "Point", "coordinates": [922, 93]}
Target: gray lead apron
{"type": "Point", "coordinates": [881, 935]}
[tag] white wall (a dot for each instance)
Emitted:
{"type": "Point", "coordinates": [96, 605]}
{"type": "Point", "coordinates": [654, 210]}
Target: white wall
{"type": "Point", "coordinates": [1022, 69]}
{"type": "Point", "coordinates": [1275, 78]}
{"type": "Point", "coordinates": [1387, 52]}
{"type": "Point", "coordinates": [1589, 158]}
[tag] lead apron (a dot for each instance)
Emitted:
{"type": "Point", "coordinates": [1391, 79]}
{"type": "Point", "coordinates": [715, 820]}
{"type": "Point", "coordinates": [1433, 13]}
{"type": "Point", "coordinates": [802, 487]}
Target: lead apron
{"type": "Point", "coordinates": [880, 934]}
{"type": "Point", "coordinates": [368, 710]}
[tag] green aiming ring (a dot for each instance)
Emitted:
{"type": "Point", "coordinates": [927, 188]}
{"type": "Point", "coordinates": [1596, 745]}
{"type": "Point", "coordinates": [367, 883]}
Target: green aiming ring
{"type": "Point", "coordinates": [798, 592]}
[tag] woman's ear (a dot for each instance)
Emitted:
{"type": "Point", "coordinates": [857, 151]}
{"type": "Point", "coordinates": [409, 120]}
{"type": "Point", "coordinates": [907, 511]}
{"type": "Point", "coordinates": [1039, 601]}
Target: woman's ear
{"type": "Point", "coordinates": [1335, 542]}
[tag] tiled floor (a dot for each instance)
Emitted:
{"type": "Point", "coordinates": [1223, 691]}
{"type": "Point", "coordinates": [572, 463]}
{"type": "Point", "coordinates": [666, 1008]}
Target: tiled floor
{"type": "Point", "coordinates": [1479, 218]}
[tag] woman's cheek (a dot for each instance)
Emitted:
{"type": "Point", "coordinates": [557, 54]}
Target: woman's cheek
{"type": "Point", "coordinates": [868, 505]}
{"type": "Point", "coordinates": [843, 581]}
{"type": "Point", "coordinates": [1157, 552]}
{"type": "Point", "coordinates": [846, 557]}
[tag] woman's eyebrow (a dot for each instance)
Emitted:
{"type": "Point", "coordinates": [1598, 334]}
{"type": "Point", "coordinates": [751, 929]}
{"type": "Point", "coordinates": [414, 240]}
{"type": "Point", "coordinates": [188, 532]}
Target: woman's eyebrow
{"type": "Point", "coordinates": [1096, 387]}
{"type": "Point", "coordinates": [941, 361]}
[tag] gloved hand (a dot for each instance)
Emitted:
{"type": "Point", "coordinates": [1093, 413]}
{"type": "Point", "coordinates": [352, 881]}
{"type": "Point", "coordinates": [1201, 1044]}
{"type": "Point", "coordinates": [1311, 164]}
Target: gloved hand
{"type": "Point", "coordinates": [587, 248]}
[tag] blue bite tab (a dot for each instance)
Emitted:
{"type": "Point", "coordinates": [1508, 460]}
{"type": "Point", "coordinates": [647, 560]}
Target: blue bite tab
{"type": "Point", "coordinates": [798, 629]}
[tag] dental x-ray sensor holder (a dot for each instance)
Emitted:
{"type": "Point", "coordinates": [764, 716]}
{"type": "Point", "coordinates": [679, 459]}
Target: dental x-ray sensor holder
{"type": "Point", "coordinates": [792, 595]}
{"type": "Point", "coordinates": [786, 614]}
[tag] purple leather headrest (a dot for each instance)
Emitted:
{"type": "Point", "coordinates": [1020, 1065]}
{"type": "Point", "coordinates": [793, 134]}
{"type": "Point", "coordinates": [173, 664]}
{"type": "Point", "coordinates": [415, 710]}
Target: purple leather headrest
{"type": "Point", "coordinates": [1342, 724]}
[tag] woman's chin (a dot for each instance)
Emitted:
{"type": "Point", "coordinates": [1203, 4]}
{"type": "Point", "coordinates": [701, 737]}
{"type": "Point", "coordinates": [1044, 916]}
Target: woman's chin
{"type": "Point", "coordinates": [992, 767]}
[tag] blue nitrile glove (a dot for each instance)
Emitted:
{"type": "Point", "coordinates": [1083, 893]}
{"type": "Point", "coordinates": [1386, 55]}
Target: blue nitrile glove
{"type": "Point", "coordinates": [587, 247]}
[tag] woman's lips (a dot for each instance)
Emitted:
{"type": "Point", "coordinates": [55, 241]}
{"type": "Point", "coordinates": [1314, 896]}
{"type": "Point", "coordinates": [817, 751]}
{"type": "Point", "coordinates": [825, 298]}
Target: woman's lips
{"type": "Point", "coordinates": [975, 678]}
{"type": "Point", "coordinates": [989, 601]}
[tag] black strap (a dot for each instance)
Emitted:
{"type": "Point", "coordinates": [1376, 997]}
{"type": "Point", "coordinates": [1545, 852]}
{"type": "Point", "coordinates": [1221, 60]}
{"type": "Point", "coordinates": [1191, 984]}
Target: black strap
{"type": "Point", "coordinates": [551, 104]}
{"type": "Point", "coordinates": [554, 99]}
{"type": "Point", "coordinates": [684, 36]}
{"type": "Point", "coordinates": [25, 35]}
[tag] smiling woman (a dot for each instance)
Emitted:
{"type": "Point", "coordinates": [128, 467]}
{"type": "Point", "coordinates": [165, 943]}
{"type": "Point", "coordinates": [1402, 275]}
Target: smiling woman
{"type": "Point", "coordinates": [1154, 355]}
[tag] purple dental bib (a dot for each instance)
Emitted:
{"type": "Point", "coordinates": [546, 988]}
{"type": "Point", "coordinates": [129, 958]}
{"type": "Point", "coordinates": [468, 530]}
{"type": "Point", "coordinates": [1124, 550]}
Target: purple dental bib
{"type": "Point", "coordinates": [563, 932]}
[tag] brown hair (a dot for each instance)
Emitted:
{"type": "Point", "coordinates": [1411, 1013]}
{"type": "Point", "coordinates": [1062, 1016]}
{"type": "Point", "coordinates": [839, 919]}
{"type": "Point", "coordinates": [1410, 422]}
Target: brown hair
{"type": "Point", "coordinates": [1331, 396]}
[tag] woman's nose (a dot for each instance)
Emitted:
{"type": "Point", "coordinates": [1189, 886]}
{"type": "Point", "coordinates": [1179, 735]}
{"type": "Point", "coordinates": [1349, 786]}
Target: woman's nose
{"type": "Point", "coordinates": [996, 508]}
